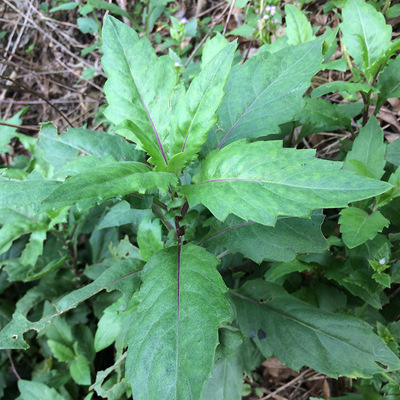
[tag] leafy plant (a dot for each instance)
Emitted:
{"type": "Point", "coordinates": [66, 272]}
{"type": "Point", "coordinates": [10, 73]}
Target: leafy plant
{"type": "Point", "coordinates": [181, 240]}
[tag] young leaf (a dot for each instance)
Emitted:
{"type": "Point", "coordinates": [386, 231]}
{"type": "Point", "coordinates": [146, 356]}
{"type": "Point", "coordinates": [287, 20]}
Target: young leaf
{"type": "Point", "coordinates": [212, 47]}
{"type": "Point", "coordinates": [9, 132]}
{"type": "Point", "coordinates": [149, 237]}
{"type": "Point", "coordinates": [365, 33]}
{"type": "Point", "coordinates": [110, 180]}
{"type": "Point", "coordinates": [61, 352]}
{"type": "Point", "coordinates": [299, 334]}
{"type": "Point", "coordinates": [175, 331]}
{"type": "Point", "coordinates": [80, 370]}
{"type": "Point", "coordinates": [261, 180]}
{"type": "Point", "coordinates": [298, 28]}
{"type": "Point", "coordinates": [393, 152]}
{"type": "Point", "coordinates": [263, 93]}
{"type": "Point", "coordinates": [280, 243]}
{"type": "Point", "coordinates": [196, 112]}
{"type": "Point", "coordinates": [139, 86]}
{"type": "Point", "coordinates": [368, 149]}
{"type": "Point", "coordinates": [357, 226]}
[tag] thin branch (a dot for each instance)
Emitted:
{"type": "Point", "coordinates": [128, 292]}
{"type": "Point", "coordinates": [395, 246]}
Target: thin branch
{"type": "Point", "coordinates": [27, 127]}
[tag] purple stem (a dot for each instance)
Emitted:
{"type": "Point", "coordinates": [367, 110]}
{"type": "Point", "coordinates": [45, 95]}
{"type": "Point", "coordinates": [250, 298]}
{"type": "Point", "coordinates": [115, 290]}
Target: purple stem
{"type": "Point", "coordinates": [124, 276]}
{"type": "Point", "coordinates": [154, 128]}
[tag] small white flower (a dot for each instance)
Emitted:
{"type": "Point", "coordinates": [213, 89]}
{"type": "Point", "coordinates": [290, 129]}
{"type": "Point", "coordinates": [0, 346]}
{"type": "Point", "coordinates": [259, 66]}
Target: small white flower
{"type": "Point", "coordinates": [177, 64]}
{"type": "Point", "coordinates": [184, 20]}
{"type": "Point", "coordinates": [382, 261]}
{"type": "Point", "coordinates": [268, 9]}
{"type": "Point", "coordinates": [266, 16]}
{"type": "Point", "coordinates": [275, 21]}
{"type": "Point", "coordinates": [272, 10]}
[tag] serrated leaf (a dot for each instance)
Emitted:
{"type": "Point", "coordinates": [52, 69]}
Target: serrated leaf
{"type": "Point", "coordinates": [149, 237]}
{"type": "Point", "coordinates": [139, 87]}
{"type": "Point", "coordinates": [61, 352]}
{"type": "Point", "coordinates": [80, 370]}
{"type": "Point", "coordinates": [289, 237]}
{"type": "Point", "coordinates": [299, 334]}
{"type": "Point", "coordinates": [110, 180]}
{"type": "Point", "coordinates": [341, 86]}
{"type": "Point", "coordinates": [368, 148]}
{"type": "Point", "coordinates": [261, 180]}
{"type": "Point", "coordinates": [196, 112]}
{"type": "Point", "coordinates": [388, 83]}
{"type": "Point", "coordinates": [298, 29]}
{"type": "Point", "coordinates": [357, 226]}
{"type": "Point", "coordinates": [263, 93]}
{"type": "Point", "coordinates": [165, 337]}
{"type": "Point", "coordinates": [59, 149]}
{"type": "Point", "coordinates": [119, 276]}
{"type": "Point", "coordinates": [365, 33]}
{"type": "Point", "coordinates": [31, 390]}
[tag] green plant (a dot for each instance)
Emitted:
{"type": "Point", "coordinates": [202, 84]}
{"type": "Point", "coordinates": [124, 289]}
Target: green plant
{"type": "Point", "coordinates": [198, 227]}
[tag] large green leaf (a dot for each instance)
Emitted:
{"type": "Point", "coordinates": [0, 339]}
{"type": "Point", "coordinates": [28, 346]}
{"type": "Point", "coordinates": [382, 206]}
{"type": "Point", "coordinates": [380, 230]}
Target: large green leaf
{"type": "Point", "coordinates": [196, 112]}
{"type": "Point", "coordinates": [32, 390]}
{"type": "Point", "coordinates": [60, 149]}
{"type": "Point", "coordinates": [139, 87]}
{"type": "Point", "coordinates": [121, 276]}
{"type": "Point", "coordinates": [300, 334]}
{"type": "Point", "coordinates": [365, 33]}
{"type": "Point", "coordinates": [110, 180]}
{"type": "Point", "coordinates": [261, 180]}
{"type": "Point", "coordinates": [367, 155]}
{"type": "Point", "coordinates": [175, 332]}
{"type": "Point", "coordinates": [393, 152]}
{"type": "Point", "coordinates": [298, 29]}
{"type": "Point", "coordinates": [280, 243]}
{"type": "Point", "coordinates": [357, 226]}
{"type": "Point", "coordinates": [263, 93]}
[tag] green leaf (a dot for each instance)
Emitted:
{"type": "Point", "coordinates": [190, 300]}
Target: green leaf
{"type": "Point", "coordinates": [31, 390]}
{"type": "Point", "coordinates": [65, 6]}
{"type": "Point", "coordinates": [87, 25]}
{"type": "Point", "coordinates": [120, 276]}
{"type": "Point", "coordinates": [393, 11]}
{"type": "Point", "coordinates": [60, 351]}
{"type": "Point", "coordinates": [15, 193]}
{"type": "Point", "coordinates": [341, 86]}
{"type": "Point", "coordinates": [261, 180]}
{"type": "Point", "coordinates": [299, 334]}
{"type": "Point", "coordinates": [393, 152]}
{"type": "Point", "coordinates": [298, 29]}
{"type": "Point", "coordinates": [369, 149]}
{"type": "Point", "coordinates": [226, 382]}
{"type": "Point", "coordinates": [149, 237]}
{"type": "Point", "coordinates": [196, 112]}
{"type": "Point", "coordinates": [388, 84]}
{"type": "Point", "coordinates": [97, 144]}
{"type": "Point", "coordinates": [244, 30]}
{"type": "Point", "coordinates": [278, 270]}
{"type": "Point", "coordinates": [9, 132]}
{"type": "Point", "coordinates": [320, 115]}
{"type": "Point", "coordinates": [55, 152]}
{"type": "Point", "coordinates": [357, 226]}
{"type": "Point", "coordinates": [111, 180]}
{"type": "Point", "coordinates": [113, 8]}
{"type": "Point", "coordinates": [365, 33]}
{"type": "Point", "coordinates": [139, 87]}
{"type": "Point", "coordinates": [289, 237]}
{"type": "Point", "coordinates": [212, 47]}
{"type": "Point", "coordinates": [263, 93]}
{"type": "Point", "coordinates": [166, 338]}
{"type": "Point", "coordinates": [80, 370]}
